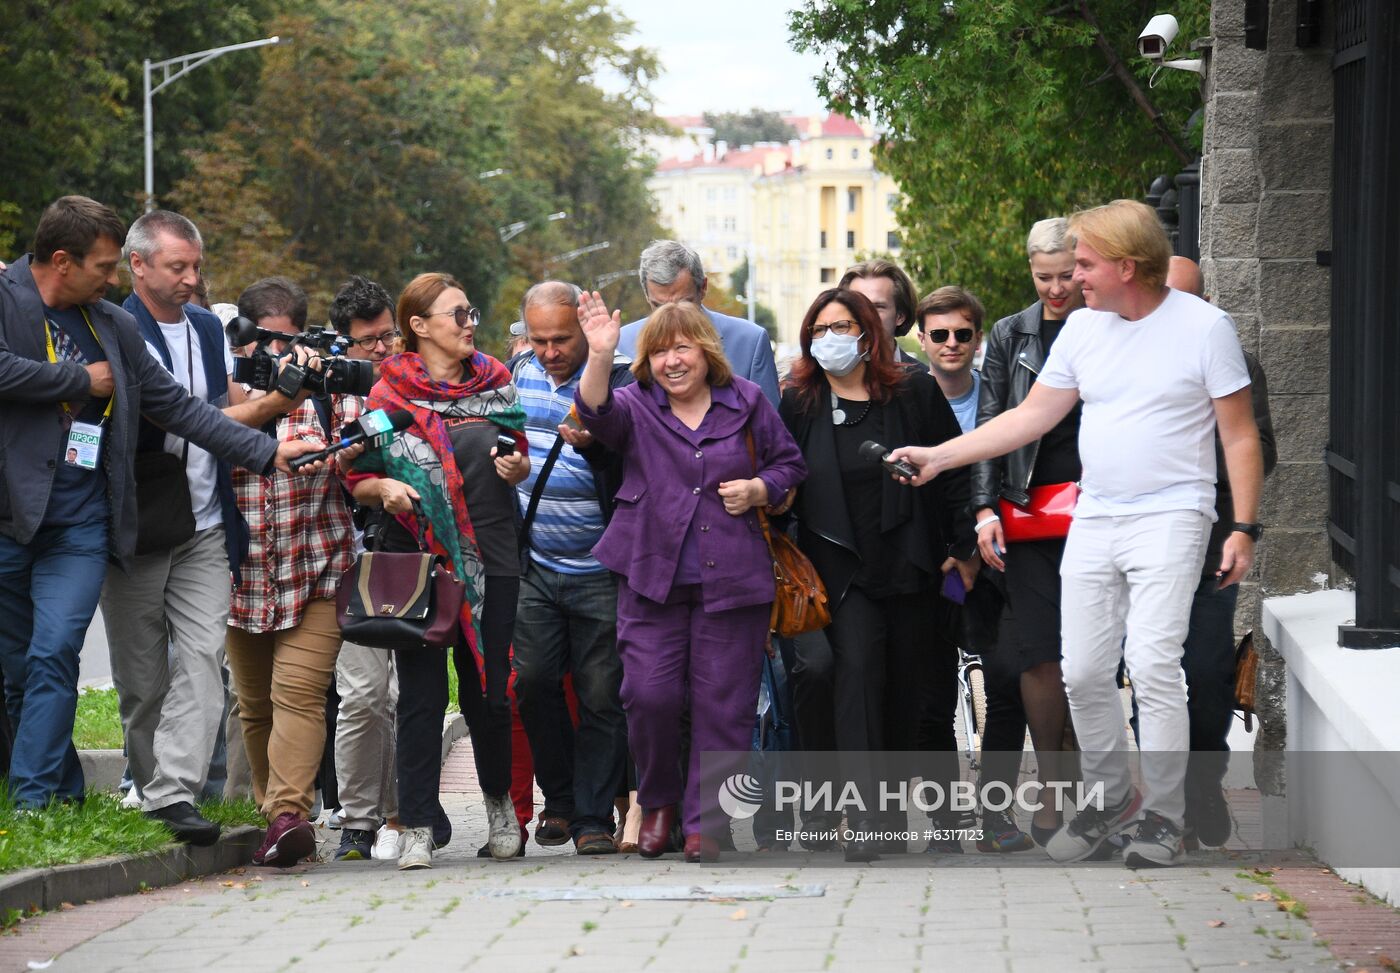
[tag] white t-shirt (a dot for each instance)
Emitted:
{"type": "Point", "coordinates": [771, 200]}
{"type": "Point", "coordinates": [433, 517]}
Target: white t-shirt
{"type": "Point", "coordinates": [201, 468]}
{"type": "Point", "coordinates": [1146, 439]}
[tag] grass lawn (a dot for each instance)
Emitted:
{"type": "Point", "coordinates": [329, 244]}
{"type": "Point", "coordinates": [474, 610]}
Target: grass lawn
{"type": "Point", "coordinates": [100, 826]}
{"type": "Point", "coordinates": [98, 725]}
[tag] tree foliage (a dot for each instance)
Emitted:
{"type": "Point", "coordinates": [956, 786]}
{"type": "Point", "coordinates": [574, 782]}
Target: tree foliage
{"type": "Point", "coordinates": [746, 128]}
{"type": "Point", "coordinates": [357, 146]}
{"type": "Point", "coordinates": [998, 114]}
{"type": "Point", "coordinates": [71, 95]}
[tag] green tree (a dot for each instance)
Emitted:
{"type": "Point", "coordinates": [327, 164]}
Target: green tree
{"type": "Point", "coordinates": [363, 149]}
{"type": "Point", "coordinates": [746, 128]}
{"type": "Point", "coordinates": [70, 95]}
{"type": "Point", "coordinates": [762, 313]}
{"type": "Point", "coordinates": [1000, 114]}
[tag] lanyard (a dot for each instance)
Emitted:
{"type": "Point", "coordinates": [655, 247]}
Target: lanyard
{"type": "Point", "coordinates": [53, 358]}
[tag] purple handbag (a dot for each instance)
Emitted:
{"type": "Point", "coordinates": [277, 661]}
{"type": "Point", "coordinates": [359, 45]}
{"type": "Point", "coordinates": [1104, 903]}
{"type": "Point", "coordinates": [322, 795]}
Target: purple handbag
{"type": "Point", "coordinates": [400, 601]}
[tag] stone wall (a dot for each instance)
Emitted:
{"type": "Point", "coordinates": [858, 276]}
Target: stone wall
{"type": "Point", "coordinates": [1266, 212]}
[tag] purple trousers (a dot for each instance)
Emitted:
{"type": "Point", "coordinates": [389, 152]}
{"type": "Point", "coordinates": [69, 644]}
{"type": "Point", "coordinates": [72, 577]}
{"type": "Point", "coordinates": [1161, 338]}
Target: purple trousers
{"type": "Point", "coordinates": [674, 654]}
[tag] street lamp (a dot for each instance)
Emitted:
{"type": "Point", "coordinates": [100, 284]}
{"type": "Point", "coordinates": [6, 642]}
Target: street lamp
{"type": "Point", "coordinates": [184, 64]}
{"type": "Point", "coordinates": [513, 230]}
{"type": "Point", "coordinates": [566, 256]}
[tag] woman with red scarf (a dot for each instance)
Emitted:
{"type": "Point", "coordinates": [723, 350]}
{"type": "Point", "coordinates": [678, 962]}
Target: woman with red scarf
{"type": "Point", "coordinates": [447, 463]}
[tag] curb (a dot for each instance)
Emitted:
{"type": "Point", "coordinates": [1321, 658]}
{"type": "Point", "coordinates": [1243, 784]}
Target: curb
{"type": "Point", "coordinates": [48, 888]}
{"type": "Point", "coordinates": [454, 727]}
{"type": "Point", "coordinates": [45, 889]}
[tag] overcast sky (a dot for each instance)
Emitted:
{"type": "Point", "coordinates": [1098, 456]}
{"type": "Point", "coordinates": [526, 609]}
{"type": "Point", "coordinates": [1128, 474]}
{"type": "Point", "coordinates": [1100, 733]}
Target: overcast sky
{"type": "Point", "coordinates": [724, 55]}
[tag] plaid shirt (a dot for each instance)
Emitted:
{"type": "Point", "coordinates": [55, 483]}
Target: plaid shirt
{"type": "Point", "coordinates": [301, 538]}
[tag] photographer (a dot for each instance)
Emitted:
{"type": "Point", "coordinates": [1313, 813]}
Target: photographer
{"type": "Point", "coordinates": [283, 637]}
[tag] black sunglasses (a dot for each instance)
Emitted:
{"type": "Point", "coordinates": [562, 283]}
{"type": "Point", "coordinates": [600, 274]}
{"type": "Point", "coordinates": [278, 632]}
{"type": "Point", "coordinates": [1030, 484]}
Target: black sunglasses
{"type": "Point", "coordinates": [940, 335]}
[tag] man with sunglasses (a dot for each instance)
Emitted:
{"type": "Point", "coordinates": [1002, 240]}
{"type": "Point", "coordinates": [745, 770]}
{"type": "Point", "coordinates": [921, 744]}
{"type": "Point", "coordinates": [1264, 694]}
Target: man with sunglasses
{"type": "Point", "coordinates": [950, 332]}
{"type": "Point", "coordinates": [363, 733]}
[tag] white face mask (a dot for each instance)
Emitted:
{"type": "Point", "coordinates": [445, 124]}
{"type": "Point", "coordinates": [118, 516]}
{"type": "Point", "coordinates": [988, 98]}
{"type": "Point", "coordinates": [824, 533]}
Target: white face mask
{"type": "Point", "coordinates": [837, 354]}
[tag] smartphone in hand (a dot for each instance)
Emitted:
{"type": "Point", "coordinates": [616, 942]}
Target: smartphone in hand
{"type": "Point", "coordinates": [953, 588]}
{"type": "Point", "coordinates": [505, 445]}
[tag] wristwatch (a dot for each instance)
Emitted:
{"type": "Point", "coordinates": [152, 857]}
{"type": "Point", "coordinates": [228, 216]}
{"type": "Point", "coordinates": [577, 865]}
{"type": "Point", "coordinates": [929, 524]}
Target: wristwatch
{"type": "Point", "coordinates": [1252, 531]}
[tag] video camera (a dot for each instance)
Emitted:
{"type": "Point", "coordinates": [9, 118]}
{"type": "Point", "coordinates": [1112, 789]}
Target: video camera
{"type": "Point", "coordinates": [260, 370]}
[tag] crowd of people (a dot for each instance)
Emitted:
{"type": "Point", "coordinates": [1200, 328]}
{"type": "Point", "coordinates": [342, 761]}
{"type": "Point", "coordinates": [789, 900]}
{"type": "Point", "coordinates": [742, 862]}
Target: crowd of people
{"type": "Point", "coordinates": [601, 495]}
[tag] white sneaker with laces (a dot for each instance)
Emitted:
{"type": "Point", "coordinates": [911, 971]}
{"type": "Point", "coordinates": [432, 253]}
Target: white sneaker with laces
{"type": "Point", "coordinates": [416, 849]}
{"type": "Point", "coordinates": [504, 840]}
{"type": "Point", "coordinates": [386, 844]}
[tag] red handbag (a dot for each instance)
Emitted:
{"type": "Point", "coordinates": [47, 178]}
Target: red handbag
{"type": "Point", "coordinates": [1046, 517]}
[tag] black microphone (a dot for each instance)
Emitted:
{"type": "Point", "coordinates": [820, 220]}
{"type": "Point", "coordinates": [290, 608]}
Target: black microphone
{"type": "Point", "coordinates": [876, 453]}
{"type": "Point", "coordinates": [377, 427]}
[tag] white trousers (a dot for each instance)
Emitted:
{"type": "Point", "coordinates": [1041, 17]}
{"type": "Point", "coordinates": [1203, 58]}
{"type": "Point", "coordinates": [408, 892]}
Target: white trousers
{"type": "Point", "coordinates": [1132, 576]}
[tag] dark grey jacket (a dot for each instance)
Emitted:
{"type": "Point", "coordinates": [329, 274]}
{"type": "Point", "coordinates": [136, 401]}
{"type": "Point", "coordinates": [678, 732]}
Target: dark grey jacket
{"type": "Point", "coordinates": [31, 420]}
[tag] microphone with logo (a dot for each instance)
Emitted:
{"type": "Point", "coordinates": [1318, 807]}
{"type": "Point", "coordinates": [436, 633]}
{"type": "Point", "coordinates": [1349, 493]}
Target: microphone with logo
{"type": "Point", "coordinates": [374, 429]}
{"type": "Point", "coordinates": [876, 453]}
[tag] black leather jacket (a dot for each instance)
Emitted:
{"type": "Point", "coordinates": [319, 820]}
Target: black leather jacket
{"type": "Point", "coordinates": [1010, 367]}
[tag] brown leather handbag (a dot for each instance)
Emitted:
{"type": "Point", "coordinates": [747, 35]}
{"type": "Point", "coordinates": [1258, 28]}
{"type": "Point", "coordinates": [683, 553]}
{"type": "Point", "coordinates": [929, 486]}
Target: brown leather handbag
{"type": "Point", "coordinates": [799, 602]}
{"type": "Point", "coordinates": [1246, 674]}
{"type": "Point", "coordinates": [410, 600]}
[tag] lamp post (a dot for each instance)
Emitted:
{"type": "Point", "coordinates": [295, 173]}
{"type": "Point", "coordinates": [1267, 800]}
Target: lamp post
{"type": "Point", "coordinates": [183, 65]}
{"type": "Point", "coordinates": [513, 230]}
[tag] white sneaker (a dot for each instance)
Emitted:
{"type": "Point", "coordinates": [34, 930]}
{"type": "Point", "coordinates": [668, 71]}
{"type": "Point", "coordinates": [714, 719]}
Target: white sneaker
{"type": "Point", "coordinates": [1156, 844]}
{"type": "Point", "coordinates": [336, 819]}
{"type": "Point", "coordinates": [416, 850]}
{"type": "Point", "coordinates": [386, 844]}
{"type": "Point", "coordinates": [504, 840]}
{"type": "Point", "coordinates": [133, 798]}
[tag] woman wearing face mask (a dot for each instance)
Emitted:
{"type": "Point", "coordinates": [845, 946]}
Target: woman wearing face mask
{"type": "Point", "coordinates": [881, 549]}
{"type": "Point", "coordinates": [1027, 655]}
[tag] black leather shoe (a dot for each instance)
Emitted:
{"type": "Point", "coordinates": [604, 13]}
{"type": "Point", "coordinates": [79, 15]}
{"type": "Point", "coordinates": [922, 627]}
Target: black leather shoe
{"type": "Point", "coordinates": [187, 824]}
{"type": "Point", "coordinates": [862, 850]}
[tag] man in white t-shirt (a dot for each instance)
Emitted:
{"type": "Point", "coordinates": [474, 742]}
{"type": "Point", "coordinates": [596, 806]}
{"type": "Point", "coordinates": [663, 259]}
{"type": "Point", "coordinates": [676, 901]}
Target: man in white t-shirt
{"type": "Point", "coordinates": [173, 603]}
{"type": "Point", "coordinates": [1157, 371]}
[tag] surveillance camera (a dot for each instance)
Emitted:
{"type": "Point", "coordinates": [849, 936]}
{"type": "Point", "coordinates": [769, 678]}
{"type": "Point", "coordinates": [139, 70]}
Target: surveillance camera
{"type": "Point", "coordinates": [1157, 36]}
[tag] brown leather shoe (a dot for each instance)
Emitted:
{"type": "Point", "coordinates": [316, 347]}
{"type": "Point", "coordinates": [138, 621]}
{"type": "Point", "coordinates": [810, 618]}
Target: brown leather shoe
{"type": "Point", "coordinates": [595, 843]}
{"type": "Point", "coordinates": [701, 848]}
{"type": "Point", "coordinates": [655, 838]}
{"type": "Point", "coordinates": [552, 830]}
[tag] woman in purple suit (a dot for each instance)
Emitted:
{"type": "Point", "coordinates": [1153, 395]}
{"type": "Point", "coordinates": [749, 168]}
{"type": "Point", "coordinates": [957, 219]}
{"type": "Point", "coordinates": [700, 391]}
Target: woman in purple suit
{"type": "Point", "coordinates": [693, 608]}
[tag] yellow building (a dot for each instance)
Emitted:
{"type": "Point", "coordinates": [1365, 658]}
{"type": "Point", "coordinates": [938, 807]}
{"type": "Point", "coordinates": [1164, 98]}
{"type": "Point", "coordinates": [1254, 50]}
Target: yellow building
{"type": "Point", "coordinates": [826, 208]}
{"type": "Point", "coordinates": [808, 208]}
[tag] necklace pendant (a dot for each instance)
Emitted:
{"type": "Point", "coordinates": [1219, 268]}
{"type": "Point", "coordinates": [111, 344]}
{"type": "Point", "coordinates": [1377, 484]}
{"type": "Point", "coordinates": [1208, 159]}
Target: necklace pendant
{"type": "Point", "coordinates": [838, 416]}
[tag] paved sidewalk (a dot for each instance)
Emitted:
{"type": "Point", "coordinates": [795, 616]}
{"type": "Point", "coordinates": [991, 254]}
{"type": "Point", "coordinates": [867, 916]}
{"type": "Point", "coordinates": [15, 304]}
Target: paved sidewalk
{"type": "Point", "coordinates": [794, 912]}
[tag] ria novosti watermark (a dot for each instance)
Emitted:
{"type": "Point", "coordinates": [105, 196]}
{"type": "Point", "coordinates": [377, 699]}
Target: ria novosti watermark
{"type": "Point", "coordinates": [742, 795]}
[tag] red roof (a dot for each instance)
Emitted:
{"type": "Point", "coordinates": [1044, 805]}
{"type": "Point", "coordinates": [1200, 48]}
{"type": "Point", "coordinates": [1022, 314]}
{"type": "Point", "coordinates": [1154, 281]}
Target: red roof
{"type": "Point", "coordinates": [841, 126]}
{"type": "Point", "coordinates": [733, 159]}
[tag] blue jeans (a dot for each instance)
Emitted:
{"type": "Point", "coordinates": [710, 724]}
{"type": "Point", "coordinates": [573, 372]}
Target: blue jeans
{"type": "Point", "coordinates": [568, 623]}
{"type": "Point", "coordinates": [48, 594]}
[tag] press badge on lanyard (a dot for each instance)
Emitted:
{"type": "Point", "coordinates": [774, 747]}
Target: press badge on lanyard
{"type": "Point", "coordinates": [84, 446]}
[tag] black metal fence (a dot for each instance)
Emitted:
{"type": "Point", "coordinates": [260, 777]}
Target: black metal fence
{"type": "Point", "coordinates": [1363, 455]}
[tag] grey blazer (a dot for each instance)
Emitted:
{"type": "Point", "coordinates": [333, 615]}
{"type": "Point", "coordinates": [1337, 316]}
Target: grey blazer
{"type": "Point", "coordinates": [31, 422]}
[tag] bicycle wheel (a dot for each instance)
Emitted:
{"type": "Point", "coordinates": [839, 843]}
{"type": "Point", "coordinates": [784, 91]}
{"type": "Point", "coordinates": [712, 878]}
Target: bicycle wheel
{"type": "Point", "coordinates": [977, 683]}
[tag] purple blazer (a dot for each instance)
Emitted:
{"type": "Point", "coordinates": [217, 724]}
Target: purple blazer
{"type": "Point", "coordinates": [670, 479]}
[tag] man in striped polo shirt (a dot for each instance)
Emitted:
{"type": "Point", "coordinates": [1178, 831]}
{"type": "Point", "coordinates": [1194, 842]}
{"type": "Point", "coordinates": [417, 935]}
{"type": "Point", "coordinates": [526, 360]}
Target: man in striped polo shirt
{"type": "Point", "coordinates": [567, 616]}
